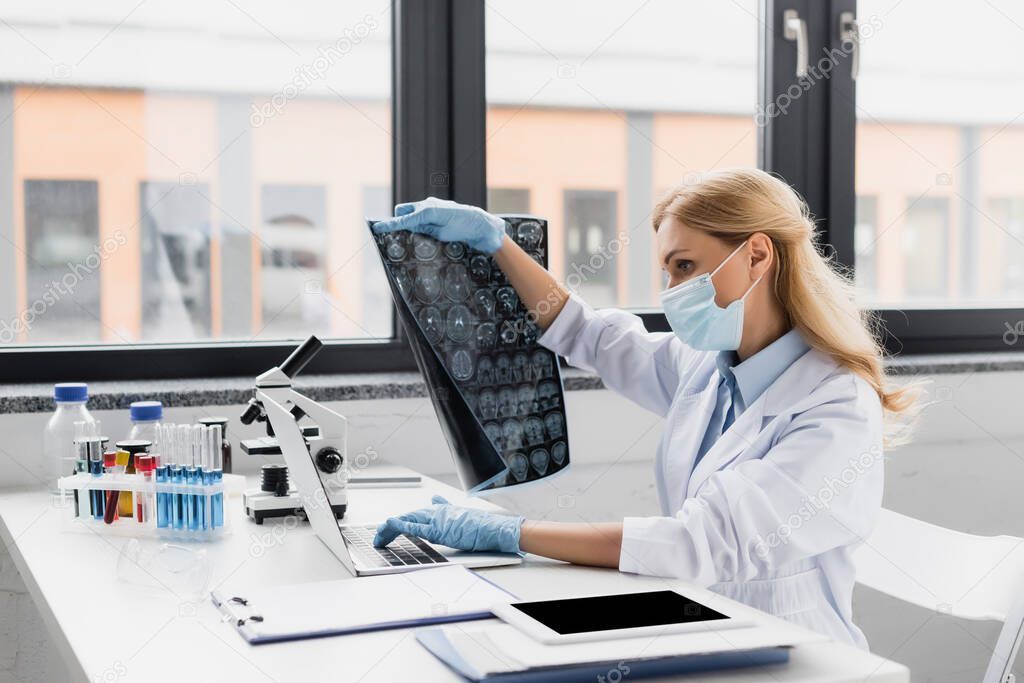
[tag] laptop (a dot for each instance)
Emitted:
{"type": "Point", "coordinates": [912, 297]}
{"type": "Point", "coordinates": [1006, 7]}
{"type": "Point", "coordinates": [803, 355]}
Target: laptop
{"type": "Point", "coordinates": [353, 544]}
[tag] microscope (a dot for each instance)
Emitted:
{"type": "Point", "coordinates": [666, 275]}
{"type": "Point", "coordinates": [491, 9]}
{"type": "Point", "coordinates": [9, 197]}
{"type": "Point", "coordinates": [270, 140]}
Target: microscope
{"type": "Point", "coordinates": [322, 438]}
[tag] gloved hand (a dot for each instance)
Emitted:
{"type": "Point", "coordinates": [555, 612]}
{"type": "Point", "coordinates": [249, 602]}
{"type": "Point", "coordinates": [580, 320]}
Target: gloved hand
{"type": "Point", "coordinates": [449, 222]}
{"type": "Point", "coordinates": [453, 526]}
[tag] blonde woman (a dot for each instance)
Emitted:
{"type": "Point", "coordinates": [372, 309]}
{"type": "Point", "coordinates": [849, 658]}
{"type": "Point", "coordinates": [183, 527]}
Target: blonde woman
{"type": "Point", "coordinates": [771, 385]}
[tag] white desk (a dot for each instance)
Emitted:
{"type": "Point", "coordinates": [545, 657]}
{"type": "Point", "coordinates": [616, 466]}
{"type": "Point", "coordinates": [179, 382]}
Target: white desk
{"type": "Point", "coordinates": [107, 630]}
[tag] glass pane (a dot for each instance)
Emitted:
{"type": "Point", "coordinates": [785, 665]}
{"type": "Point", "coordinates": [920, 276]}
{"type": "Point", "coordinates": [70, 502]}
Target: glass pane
{"type": "Point", "coordinates": [180, 171]}
{"type": "Point", "coordinates": [596, 109]}
{"type": "Point", "coordinates": [940, 135]}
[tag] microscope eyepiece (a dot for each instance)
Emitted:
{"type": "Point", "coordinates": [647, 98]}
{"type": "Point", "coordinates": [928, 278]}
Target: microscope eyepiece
{"type": "Point", "coordinates": [252, 413]}
{"type": "Point", "coordinates": [301, 356]}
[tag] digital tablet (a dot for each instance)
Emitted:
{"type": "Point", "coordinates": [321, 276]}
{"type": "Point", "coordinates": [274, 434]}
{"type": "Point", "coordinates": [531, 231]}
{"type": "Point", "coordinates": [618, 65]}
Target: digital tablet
{"type": "Point", "coordinates": [606, 617]}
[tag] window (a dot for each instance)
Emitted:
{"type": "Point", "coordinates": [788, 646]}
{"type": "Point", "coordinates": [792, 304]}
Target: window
{"type": "Point", "coordinates": [865, 231]}
{"type": "Point", "coordinates": [568, 108]}
{"type": "Point", "coordinates": [508, 200]}
{"type": "Point", "coordinates": [926, 250]}
{"type": "Point", "coordinates": [1007, 273]}
{"type": "Point", "coordinates": [589, 227]}
{"type": "Point", "coordinates": [939, 139]}
{"type": "Point", "coordinates": [206, 205]}
{"type": "Point", "coordinates": [63, 261]}
{"type": "Point", "coordinates": [223, 149]}
{"type": "Point", "coordinates": [293, 238]}
{"type": "Point", "coordinates": [175, 262]}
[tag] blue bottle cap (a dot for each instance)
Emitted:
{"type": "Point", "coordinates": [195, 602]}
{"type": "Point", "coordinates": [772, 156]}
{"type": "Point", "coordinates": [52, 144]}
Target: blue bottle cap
{"type": "Point", "coordinates": [70, 391]}
{"type": "Point", "coordinates": [146, 410]}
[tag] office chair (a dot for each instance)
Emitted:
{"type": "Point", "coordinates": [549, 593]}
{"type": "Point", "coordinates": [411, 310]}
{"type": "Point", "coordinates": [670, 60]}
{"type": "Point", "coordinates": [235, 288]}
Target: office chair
{"type": "Point", "coordinates": [967, 576]}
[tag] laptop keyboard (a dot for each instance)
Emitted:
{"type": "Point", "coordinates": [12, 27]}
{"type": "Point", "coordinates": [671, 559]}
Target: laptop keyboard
{"type": "Point", "coordinates": [401, 552]}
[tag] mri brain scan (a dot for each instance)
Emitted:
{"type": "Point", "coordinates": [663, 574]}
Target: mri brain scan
{"type": "Point", "coordinates": [497, 392]}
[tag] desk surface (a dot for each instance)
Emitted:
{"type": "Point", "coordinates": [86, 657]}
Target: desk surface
{"type": "Point", "coordinates": [106, 629]}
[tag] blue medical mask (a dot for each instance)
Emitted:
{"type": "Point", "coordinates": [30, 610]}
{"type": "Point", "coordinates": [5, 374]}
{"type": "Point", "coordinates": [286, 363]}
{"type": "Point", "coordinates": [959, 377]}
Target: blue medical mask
{"type": "Point", "coordinates": [697, 320]}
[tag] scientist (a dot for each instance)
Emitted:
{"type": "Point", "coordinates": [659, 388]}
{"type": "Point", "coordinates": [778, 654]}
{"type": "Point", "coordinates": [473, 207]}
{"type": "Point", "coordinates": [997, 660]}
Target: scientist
{"type": "Point", "coordinates": [770, 470]}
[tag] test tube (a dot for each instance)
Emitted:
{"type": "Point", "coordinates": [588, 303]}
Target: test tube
{"type": "Point", "coordinates": [163, 506]}
{"type": "Point", "coordinates": [144, 501]}
{"type": "Point", "coordinates": [112, 469]}
{"type": "Point", "coordinates": [177, 476]}
{"type": "Point", "coordinates": [195, 477]}
{"type": "Point", "coordinates": [216, 467]}
{"type": "Point", "coordinates": [96, 469]}
{"type": "Point", "coordinates": [206, 478]}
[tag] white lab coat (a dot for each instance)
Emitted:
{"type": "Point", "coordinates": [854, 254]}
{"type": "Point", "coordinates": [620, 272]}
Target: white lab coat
{"type": "Point", "coordinates": [772, 512]}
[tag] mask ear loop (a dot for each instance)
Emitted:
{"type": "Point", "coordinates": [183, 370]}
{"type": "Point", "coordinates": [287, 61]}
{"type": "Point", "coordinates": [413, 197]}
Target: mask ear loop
{"type": "Point", "coordinates": [749, 289]}
{"type": "Point", "coordinates": [726, 260]}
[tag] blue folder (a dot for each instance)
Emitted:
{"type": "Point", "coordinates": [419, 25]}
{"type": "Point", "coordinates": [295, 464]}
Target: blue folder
{"type": "Point", "coordinates": [434, 640]}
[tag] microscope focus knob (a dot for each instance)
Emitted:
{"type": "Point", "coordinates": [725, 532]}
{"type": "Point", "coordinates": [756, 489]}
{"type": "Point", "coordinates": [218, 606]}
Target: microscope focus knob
{"type": "Point", "coordinates": [328, 460]}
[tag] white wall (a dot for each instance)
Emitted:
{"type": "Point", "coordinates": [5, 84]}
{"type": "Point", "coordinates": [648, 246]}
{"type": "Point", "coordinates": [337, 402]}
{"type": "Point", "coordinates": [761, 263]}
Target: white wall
{"type": "Point", "coordinates": [963, 471]}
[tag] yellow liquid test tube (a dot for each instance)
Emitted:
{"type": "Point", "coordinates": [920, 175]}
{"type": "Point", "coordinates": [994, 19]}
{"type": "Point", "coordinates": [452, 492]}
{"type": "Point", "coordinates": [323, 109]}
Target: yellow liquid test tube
{"type": "Point", "coordinates": [124, 502]}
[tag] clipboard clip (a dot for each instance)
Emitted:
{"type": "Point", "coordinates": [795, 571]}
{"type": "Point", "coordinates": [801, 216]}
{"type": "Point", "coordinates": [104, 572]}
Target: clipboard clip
{"type": "Point", "coordinates": [233, 614]}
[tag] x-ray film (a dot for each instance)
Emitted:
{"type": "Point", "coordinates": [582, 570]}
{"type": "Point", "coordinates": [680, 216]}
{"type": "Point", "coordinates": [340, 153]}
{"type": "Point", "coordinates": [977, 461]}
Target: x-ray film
{"type": "Point", "coordinates": [496, 391]}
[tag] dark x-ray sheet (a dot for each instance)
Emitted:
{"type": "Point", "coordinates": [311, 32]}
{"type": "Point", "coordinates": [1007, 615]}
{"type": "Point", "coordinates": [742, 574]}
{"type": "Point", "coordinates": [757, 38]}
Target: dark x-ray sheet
{"type": "Point", "coordinates": [497, 393]}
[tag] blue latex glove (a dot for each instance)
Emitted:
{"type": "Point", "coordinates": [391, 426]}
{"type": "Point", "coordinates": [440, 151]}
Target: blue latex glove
{"type": "Point", "coordinates": [454, 526]}
{"type": "Point", "coordinates": [448, 222]}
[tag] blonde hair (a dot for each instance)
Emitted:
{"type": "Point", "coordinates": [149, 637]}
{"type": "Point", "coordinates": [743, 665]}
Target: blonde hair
{"type": "Point", "coordinates": [814, 290]}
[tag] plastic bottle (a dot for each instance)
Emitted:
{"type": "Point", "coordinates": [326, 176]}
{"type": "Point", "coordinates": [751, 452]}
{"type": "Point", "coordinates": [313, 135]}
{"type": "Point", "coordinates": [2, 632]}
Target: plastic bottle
{"type": "Point", "coordinates": [145, 416]}
{"type": "Point", "coordinates": [59, 435]}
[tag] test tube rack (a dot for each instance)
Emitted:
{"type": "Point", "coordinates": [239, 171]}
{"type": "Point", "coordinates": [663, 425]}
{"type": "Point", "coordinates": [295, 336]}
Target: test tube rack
{"type": "Point", "coordinates": [176, 491]}
{"type": "Point", "coordinates": [175, 511]}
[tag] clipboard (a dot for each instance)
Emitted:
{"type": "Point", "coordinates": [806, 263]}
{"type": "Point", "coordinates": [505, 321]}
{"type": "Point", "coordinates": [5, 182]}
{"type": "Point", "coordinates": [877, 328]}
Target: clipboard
{"type": "Point", "coordinates": [438, 595]}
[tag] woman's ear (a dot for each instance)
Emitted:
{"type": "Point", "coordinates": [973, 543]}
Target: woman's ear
{"type": "Point", "coordinates": [762, 254]}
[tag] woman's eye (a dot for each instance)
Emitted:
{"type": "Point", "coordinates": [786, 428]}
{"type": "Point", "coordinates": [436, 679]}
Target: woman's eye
{"type": "Point", "coordinates": [684, 267]}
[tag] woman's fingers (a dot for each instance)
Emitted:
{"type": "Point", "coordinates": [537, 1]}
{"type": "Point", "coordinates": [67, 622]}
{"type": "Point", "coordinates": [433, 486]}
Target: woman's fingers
{"type": "Point", "coordinates": [422, 516]}
{"type": "Point", "coordinates": [386, 532]}
{"type": "Point", "coordinates": [395, 527]}
{"type": "Point", "coordinates": [414, 523]}
{"type": "Point", "coordinates": [409, 221]}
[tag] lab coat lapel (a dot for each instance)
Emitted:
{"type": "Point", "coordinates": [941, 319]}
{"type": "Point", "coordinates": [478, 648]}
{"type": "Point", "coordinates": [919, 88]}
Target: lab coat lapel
{"type": "Point", "coordinates": [690, 420]}
{"type": "Point", "coordinates": [736, 439]}
{"type": "Point", "coordinates": [789, 394]}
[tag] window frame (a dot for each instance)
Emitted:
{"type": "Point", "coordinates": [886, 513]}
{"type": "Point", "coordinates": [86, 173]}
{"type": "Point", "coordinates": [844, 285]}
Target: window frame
{"type": "Point", "coordinates": [439, 113]}
{"type": "Point", "coordinates": [821, 166]}
{"type": "Point", "coordinates": [437, 108]}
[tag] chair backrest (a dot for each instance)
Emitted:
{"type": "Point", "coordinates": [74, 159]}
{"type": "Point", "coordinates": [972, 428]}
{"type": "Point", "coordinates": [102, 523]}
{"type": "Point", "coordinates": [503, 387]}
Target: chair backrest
{"type": "Point", "coordinates": [967, 576]}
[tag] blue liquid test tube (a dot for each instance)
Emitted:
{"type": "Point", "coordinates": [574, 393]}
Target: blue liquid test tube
{"type": "Point", "coordinates": [177, 472]}
{"type": "Point", "coordinates": [193, 477]}
{"type": "Point", "coordinates": [163, 517]}
{"type": "Point", "coordinates": [160, 475]}
{"type": "Point", "coordinates": [96, 495]}
{"type": "Point", "coordinates": [217, 476]}
{"type": "Point", "coordinates": [207, 479]}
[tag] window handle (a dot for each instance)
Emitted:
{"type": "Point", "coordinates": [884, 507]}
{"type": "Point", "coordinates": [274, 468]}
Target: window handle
{"type": "Point", "coordinates": [795, 29]}
{"type": "Point", "coordinates": [849, 39]}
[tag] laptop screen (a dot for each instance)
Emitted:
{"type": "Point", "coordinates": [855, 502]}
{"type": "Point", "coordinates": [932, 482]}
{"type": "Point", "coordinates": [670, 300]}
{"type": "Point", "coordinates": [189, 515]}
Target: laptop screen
{"type": "Point", "coordinates": [307, 481]}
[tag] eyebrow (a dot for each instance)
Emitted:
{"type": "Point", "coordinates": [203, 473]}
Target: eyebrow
{"type": "Point", "coordinates": [669, 255]}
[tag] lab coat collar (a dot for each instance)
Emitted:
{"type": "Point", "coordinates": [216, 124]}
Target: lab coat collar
{"type": "Point", "coordinates": [758, 372]}
{"type": "Point", "coordinates": [790, 393]}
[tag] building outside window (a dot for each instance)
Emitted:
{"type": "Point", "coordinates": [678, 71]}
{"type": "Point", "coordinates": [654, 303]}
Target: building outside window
{"type": "Point", "coordinates": [865, 235]}
{"type": "Point", "coordinates": [293, 240]}
{"type": "Point", "coordinates": [508, 200]}
{"type": "Point", "coordinates": [175, 261]}
{"type": "Point", "coordinates": [591, 245]}
{"type": "Point", "coordinates": [925, 249]}
{"type": "Point", "coordinates": [63, 264]}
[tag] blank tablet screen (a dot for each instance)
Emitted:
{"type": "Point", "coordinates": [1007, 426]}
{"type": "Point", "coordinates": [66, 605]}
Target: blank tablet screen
{"type": "Point", "coordinates": [610, 612]}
